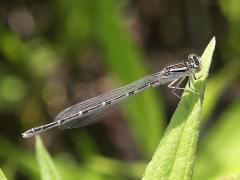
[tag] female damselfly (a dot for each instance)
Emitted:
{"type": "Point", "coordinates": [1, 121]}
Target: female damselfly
{"type": "Point", "coordinates": [86, 112]}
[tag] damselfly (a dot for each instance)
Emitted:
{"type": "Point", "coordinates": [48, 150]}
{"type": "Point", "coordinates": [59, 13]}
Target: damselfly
{"type": "Point", "coordinates": [87, 112]}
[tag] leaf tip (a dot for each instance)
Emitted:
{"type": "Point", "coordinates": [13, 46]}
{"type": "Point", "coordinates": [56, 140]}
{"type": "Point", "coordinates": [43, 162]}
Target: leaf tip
{"type": "Point", "coordinates": [212, 43]}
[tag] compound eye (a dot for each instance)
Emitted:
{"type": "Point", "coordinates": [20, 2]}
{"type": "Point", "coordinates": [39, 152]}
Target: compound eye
{"type": "Point", "coordinates": [192, 57]}
{"type": "Point", "coordinates": [197, 63]}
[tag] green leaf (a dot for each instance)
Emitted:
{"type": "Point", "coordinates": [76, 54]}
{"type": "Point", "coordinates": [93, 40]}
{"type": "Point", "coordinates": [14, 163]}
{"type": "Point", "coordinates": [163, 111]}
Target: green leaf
{"type": "Point", "coordinates": [230, 177]}
{"type": "Point", "coordinates": [175, 156]}
{"type": "Point", "coordinates": [2, 176]}
{"type": "Point", "coordinates": [46, 164]}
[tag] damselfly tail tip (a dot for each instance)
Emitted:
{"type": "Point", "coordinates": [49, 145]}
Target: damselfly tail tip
{"type": "Point", "coordinates": [27, 134]}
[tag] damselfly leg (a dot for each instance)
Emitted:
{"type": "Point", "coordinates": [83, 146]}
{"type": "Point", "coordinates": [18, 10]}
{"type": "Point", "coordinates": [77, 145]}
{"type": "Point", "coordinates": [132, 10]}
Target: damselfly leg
{"type": "Point", "coordinates": [173, 86]}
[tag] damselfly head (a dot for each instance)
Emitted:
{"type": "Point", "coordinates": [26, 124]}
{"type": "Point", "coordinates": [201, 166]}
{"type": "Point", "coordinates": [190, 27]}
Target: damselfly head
{"type": "Point", "coordinates": [194, 62]}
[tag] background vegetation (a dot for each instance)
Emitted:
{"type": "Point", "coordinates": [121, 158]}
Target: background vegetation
{"type": "Point", "coordinates": [56, 53]}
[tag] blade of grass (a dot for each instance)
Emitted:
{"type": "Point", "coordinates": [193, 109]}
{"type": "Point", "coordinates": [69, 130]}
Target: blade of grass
{"type": "Point", "coordinates": [175, 156]}
{"type": "Point", "coordinates": [2, 176]}
{"type": "Point", "coordinates": [126, 63]}
{"type": "Point", "coordinates": [47, 167]}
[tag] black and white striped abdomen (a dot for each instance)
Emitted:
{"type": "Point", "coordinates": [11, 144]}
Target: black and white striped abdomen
{"type": "Point", "coordinates": [83, 114]}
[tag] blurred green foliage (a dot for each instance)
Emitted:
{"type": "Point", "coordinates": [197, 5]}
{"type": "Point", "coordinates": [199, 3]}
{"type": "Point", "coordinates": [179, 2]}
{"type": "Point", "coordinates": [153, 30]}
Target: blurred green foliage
{"type": "Point", "coordinates": [56, 53]}
{"type": "Point", "coordinates": [220, 146]}
{"type": "Point", "coordinates": [119, 48]}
